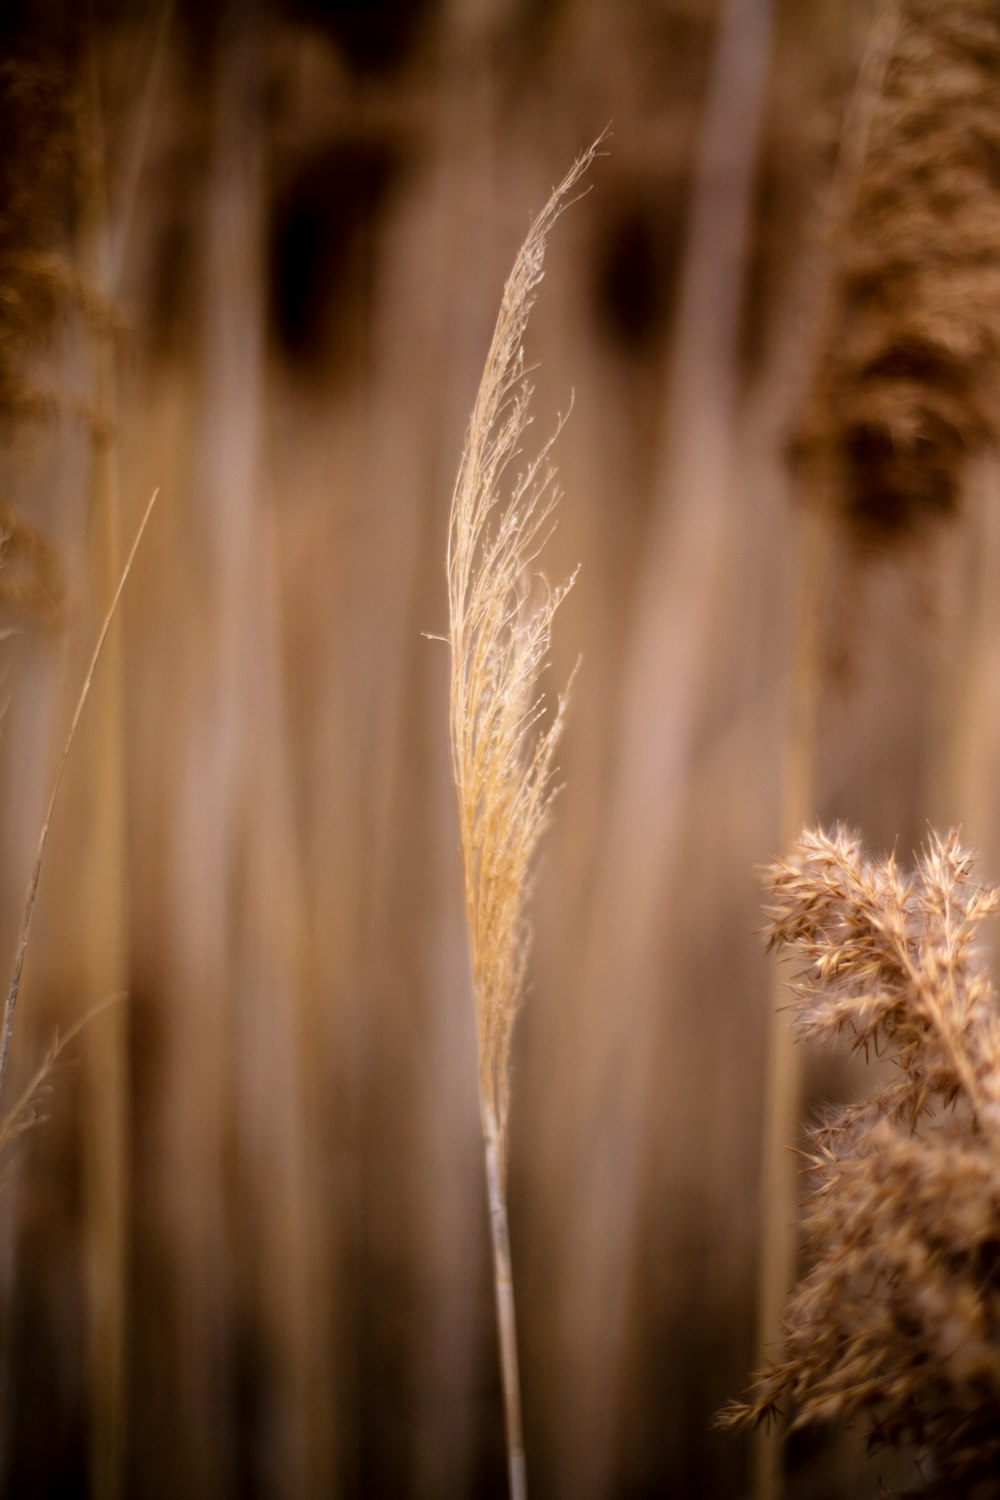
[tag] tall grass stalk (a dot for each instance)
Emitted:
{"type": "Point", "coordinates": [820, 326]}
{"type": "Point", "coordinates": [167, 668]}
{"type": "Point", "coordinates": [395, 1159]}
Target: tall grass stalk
{"type": "Point", "coordinates": [783, 1067]}
{"type": "Point", "coordinates": [106, 1179]}
{"type": "Point", "coordinates": [103, 955]}
{"type": "Point", "coordinates": [967, 717]}
{"type": "Point", "coordinates": [221, 1021]}
{"type": "Point", "coordinates": [818, 526]}
{"type": "Point", "coordinates": [500, 629]}
{"type": "Point", "coordinates": [902, 391]}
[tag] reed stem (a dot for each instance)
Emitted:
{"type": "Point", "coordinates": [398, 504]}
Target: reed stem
{"type": "Point", "coordinates": [783, 1082]}
{"type": "Point", "coordinates": [783, 1067]}
{"type": "Point", "coordinates": [104, 960]}
{"type": "Point", "coordinates": [503, 1282]}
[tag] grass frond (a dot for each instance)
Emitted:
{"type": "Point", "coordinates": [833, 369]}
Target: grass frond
{"type": "Point", "coordinates": [907, 384]}
{"type": "Point", "coordinates": [897, 1322]}
{"type": "Point", "coordinates": [503, 738]}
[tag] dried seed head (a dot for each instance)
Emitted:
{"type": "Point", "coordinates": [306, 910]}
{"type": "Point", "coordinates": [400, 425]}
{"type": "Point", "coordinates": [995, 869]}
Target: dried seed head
{"type": "Point", "coordinates": [907, 385]}
{"type": "Point", "coordinates": [500, 629]}
{"type": "Point", "coordinates": [897, 1323]}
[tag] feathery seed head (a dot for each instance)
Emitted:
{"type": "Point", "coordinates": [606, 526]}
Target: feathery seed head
{"type": "Point", "coordinates": [908, 382]}
{"type": "Point", "coordinates": [502, 741]}
{"type": "Point", "coordinates": [898, 1320]}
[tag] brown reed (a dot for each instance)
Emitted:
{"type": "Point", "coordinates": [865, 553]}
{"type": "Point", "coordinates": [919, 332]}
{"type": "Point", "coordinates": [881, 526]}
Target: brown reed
{"type": "Point", "coordinates": [907, 383]}
{"type": "Point", "coordinates": [913, 212]}
{"type": "Point", "coordinates": [896, 1324]}
{"type": "Point", "coordinates": [103, 956]}
{"type": "Point", "coordinates": [500, 630]}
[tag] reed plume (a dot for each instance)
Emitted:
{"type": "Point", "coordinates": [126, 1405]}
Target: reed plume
{"type": "Point", "coordinates": [500, 621]}
{"type": "Point", "coordinates": [904, 391]}
{"type": "Point", "coordinates": [897, 1323]}
{"type": "Point", "coordinates": [907, 383]}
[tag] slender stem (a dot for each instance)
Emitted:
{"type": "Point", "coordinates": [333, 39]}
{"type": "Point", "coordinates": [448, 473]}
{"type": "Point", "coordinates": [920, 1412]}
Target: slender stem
{"type": "Point", "coordinates": [506, 1322]}
{"type": "Point", "coordinates": [7, 1022]}
{"type": "Point", "coordinates": [783, 1083]}
{"type": "Point", "coordinates": [102, 963]}
{"type": "Point", "coordinates": [778, 1196]}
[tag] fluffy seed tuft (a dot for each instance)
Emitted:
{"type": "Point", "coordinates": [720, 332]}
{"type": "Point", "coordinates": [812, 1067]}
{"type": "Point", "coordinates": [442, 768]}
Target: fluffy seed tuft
{"type": "Point", "coordinates": [897, 1324]}
{"type": "Point", "coordinates": [908, 382]}
{"type": "Point", "coordinates": [500, 631]}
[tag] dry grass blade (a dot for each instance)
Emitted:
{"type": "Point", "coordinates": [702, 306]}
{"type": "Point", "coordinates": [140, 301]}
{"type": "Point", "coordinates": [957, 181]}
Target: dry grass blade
{"type": "Point", "coordinates": [7, 1024]}
{"type": "Point", "coordinates": [500, 630]}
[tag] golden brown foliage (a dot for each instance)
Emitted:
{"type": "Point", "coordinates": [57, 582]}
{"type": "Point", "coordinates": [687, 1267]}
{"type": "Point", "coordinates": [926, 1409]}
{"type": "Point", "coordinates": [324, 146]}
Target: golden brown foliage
{"type": "Point", "coordinates": [908, 382]}
{"type": "Point", "coordinates": [898, 1321]}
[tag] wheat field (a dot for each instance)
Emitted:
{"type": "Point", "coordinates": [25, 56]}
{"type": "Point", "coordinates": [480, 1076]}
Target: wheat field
{"type": "Point", "coordinates": [252, 256]}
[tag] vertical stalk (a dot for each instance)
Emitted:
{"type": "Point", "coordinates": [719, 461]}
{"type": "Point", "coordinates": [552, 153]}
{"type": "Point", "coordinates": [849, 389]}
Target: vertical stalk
{"type": "Point", "coordinates": [679, 596]}
{"type": "Point", "coordinates": [503, 1282]}
{"type": "Point", "coordinates": [783, 1069]}
{"type": "Point", "coordinates": [103, 957]}
{"type": "Point", "coordinates": [501, 760]}
{"type": "Point", "coordinates": [966, 718]}
{"type": "Point", "coordinates": [107, 1051]}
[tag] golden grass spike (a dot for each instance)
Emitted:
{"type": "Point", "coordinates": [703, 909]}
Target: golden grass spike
{"type": "Point", "coordinates": [500, 630]}
{"type": "Point", "coordinates": [7, 1023]}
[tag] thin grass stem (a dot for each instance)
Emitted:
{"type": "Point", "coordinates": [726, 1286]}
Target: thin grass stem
{"type": "Point", "coordinates": [500, 619]}
{"type": "Point", "coordinates": [7, 1022]}
{"type": "Point", "coordinates": [503, 1281]}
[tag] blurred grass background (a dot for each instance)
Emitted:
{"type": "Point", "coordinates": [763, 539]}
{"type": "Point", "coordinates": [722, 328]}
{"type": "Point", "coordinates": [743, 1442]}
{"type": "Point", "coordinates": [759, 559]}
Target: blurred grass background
{"type": "Point", "coordinates": [247, 1253]}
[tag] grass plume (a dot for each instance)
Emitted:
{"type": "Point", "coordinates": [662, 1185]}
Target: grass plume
{"type": "Point", "coordinates": [500, 628]}
{"type": "Point", "coordinates": [907, 385]}
{"type": "Point", "coordinates": [897, 1323]}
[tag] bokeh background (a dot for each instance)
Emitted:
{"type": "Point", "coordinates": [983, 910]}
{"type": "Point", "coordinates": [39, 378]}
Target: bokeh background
{"type": "Point", "coordinates": [251, 254]}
